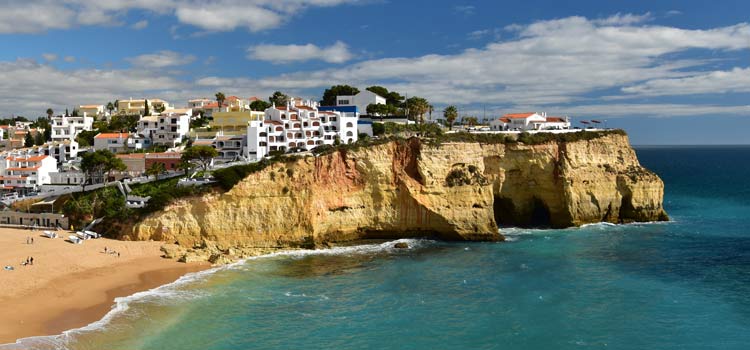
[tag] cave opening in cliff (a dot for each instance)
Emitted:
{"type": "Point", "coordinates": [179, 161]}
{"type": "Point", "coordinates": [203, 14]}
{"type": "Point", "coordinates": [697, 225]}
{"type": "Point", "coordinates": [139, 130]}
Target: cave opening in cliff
{"type": "Point", "coordinates": [536, 214]}
{"type": "Point", "coordinates": [504, 211]}
{"type": "Point", "coordinates": [540, 216]}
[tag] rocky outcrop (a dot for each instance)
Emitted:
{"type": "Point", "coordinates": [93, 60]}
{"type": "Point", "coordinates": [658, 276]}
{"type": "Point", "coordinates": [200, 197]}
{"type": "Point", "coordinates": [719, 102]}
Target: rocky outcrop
{"type": "Point", "coordinates": [453, 191]}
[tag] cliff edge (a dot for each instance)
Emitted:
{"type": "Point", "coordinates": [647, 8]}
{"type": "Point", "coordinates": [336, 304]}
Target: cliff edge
{"type": "Point", "coordinates": [452, 191]}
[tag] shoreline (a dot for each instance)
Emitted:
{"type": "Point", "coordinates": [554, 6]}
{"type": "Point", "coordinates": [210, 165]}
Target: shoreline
{"type": "Point", "coordinates": [71, 286]}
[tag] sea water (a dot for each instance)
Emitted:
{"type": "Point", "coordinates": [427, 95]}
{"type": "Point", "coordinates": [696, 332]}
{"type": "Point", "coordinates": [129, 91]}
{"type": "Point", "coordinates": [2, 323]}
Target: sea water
{"type": "Point", "coordinates": [678, 285]}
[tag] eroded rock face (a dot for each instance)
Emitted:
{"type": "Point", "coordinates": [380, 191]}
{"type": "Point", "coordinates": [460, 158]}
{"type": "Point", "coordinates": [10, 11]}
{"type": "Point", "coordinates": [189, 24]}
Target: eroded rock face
{"type": "Point", "coordinates": [456, 191]}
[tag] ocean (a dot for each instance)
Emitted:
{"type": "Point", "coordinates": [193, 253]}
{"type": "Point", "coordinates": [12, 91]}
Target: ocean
{"type": "Point", "coordinates": [684, 284]}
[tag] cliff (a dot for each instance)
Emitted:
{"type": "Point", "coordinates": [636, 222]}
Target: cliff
{"type": "Point", "coordinates": [452, 191]}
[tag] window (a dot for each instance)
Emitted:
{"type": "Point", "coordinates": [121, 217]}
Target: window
{"type": "Point", "coordinates": [349, 125]}
{"type": "Point", "coordinates": [343, 102]}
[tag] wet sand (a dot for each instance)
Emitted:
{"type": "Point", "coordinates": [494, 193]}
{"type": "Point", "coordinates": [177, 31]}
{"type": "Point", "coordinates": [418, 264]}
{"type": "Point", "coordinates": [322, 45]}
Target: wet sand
{"type": "Point", "coordinates": [72, 285]}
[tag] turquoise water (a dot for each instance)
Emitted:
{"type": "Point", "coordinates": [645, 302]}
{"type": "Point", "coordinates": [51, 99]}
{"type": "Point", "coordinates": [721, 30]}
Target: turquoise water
{"type": "Point", "coordinates": [678, 285]}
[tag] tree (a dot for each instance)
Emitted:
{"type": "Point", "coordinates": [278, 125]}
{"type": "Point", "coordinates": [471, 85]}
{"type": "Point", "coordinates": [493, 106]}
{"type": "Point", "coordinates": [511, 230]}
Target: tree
{"type": "Point", "coordinates": [203, 155]}
{"type": "Point", "coordinates": [220, 98]}
{"type": "Point", "coordinates": [450, 114]}
{"type": "Point", "coordinates": [381, 109]}
{"type": "Point", "coordinates": [28, 141]}
{"type": "Point", "coordinates": [38, 138]}
{"type": "Point", "coordinates": [159, 108]}
{"type": "Point", "coordinates": [50, 112]}
{"type": "Point", "coordinates": [471, 121]}
{"type": "Point", "coordinates": [96, 164]}
{"type": "Point", "coordinates": [417, 107]}
{"type": "Point", "coordinates": [110, 107]}
{"type": "Point", "coordinates": [86, 138]}
{"type": "Point", "coordinates": [66, 113]}
{"type": "Point", "coordinates": [259, 105]}
{"type": "Point", "coordinates": [329, 95]}
{"type": "Point", "coordinates": [278, 98]}
{"type": "Point", "coordinates": [156, 169]}
{"type": "Point", "coordinates": [146, 111]}
{"type": "Point", "coordinates": [391, 97]}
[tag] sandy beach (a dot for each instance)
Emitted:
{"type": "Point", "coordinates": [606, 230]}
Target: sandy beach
{"type": "Point", "coordinates": [72, 285]}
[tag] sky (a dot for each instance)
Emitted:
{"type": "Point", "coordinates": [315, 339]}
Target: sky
{"type": "Point", "coordinates": [668, 72]}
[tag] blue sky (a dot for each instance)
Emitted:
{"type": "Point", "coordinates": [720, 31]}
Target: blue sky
{"type": "Point", "coordinates": [669, 72]}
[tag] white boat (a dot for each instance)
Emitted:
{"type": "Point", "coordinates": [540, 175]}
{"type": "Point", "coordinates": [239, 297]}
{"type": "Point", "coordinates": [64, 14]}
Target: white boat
{"type": "Point", "coordinates": [82, 235]}
{"type": "Point", "coordinates": [50, 234]}
{"type": "Point", "coordinates": [75, 239]}
{"type": "Point", "coordinates": [92, 234]}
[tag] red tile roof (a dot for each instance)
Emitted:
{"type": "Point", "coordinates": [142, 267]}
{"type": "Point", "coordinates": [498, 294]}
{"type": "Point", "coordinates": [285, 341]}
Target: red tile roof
{"type": "Point", "coordinates": [111, 135]}
{"type": "Point", "coordinates": [519, 115]}
{"type": "Point", "coordinates": [272, 122]}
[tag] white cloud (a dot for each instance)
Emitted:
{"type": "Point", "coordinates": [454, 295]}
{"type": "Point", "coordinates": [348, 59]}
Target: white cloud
{"type": "Point", "coordinates": [43, 86]}
{"type": "Point", "coordinates": [50, 57]}
{"type": "Point", "coordinates": [140, 25]}
{"type": "Point", "coordinates": [466, 10]}
{"type": "Point", "coordinates": [69, 59]}
{"type": "Point", "coordinates": [550, 62]}
{"type": "Point", "coordinates": [336, 53]}
{"type": "Point", "coordinates": [161, 59]}
{"type": "Point", "coordinates": [652, 110]}
{"type": "Point", "coordinates": [620, 19]}
{"type": "Point", "coordinates": [557, 65]}
{"type": "Point", "coordinates": [214, 15]}
{"type": "Point", "coordinates": [716, 82]}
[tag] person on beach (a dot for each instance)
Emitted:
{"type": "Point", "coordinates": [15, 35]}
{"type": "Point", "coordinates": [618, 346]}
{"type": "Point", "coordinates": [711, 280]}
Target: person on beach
{"type": "Point", "coordinates": [32, 261]}
{"type": "Point", "coordinates": [105, 250]}
{"type": "Point", "coordinates": [118, 254]}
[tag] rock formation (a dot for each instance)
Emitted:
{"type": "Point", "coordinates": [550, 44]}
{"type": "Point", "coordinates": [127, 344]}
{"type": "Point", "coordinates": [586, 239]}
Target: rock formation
{"type": "Point", "coordinates": [452, 191]}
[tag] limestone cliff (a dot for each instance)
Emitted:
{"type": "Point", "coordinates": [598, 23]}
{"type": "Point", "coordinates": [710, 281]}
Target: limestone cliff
{"type": "Point", "coordinates": [453, 191]}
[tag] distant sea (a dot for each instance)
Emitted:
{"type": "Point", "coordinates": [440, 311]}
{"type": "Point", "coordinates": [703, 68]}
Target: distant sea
{"type": "Point", "coordinates": [678, 285]}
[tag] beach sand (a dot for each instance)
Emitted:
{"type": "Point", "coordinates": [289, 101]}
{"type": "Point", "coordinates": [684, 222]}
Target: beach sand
{"type": "Point", "coordinates": [72, 285]}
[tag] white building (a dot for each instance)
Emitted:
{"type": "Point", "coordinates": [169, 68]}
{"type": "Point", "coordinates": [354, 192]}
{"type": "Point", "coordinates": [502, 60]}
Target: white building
{"type": "Point", "coordinates": [228, 147]}
{"type": "Point", "coordinates": [61, 151]}
{"type": "Point", "coordinates": [24, 174]}
{"type": "Point", "coordinates": [298, 125]}
{"type": "Point", "coordinates": [114, 142]}
{"type": "Point", "coordinates": [173, 127]}
{"type": "Point", "coordinates": [528, 122]}
{"type": "Point", "coordinates": [67, 128]}
{"type": "Point", "coordinates": [198, 103]}
{"type": "Point", "coordinates": [360, 100]}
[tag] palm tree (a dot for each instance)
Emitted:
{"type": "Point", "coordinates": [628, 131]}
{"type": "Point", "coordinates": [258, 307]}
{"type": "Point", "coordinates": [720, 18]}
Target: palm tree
{"type": "Point", "coordinates": [156, 169]}
{"type": "Point", "coordinates": [50, 112]}
{"type": "Point", "coordinates": [110, 107]}
{"type": "Point", "coordinates": [450, 114]}
{"type": "Point", "coordinates": [220, 98]}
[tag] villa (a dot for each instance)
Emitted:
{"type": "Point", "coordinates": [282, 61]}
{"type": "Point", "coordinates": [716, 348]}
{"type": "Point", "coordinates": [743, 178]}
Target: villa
{"type": "Point", "coordinates": [24, 174]}
{"type": "Point", "coordinates": [94, 111]}
{"type": "Point", "coordinates": [234, 123]}
{"type": "Point", "coordinates": [298, 125]}
{"type": "Point", "coordinates": [68, 128]}
{"type": "Point", "coordinates": [529, 121]}
{"type": "Point", "coordinates": [360, 100]}
{"type": "Point", "coordinates": [138, 106]}
{"type": "Point", "coordinates": [61, 151]}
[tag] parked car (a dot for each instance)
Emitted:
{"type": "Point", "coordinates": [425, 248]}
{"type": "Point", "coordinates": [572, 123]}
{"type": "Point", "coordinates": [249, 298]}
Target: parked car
{"type": "Point", "coordinates": [11, 195]}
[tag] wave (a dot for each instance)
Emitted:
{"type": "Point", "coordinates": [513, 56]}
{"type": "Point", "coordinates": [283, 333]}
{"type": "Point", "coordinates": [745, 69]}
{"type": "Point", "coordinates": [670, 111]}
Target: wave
{"type": "Point", "coordinates": [172, 292]}
{"type": "Point", "coordinates": [512, 233]}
